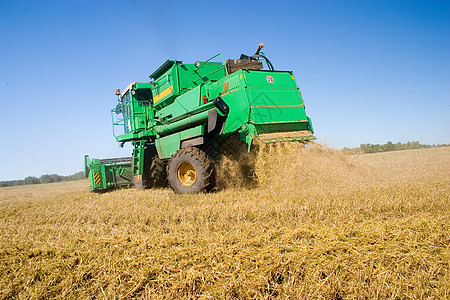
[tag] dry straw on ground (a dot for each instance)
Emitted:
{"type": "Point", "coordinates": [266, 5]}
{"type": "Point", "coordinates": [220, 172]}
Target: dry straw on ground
{"type": "Point", "coordinates": [320, 225]}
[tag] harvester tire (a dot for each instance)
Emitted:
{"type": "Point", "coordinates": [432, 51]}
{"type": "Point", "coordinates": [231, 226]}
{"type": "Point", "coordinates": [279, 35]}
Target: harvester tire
{"type": "Point", "coordinates": [191, 171]}
{"type": "Point", "coordinates": [158, 174]}
{"type": "Point", "coordinates": [154, 175]}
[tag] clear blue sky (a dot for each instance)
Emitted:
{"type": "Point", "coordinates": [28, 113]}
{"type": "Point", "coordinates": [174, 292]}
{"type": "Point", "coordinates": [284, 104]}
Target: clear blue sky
{"type": "Point", "coordinates": [369, 71]}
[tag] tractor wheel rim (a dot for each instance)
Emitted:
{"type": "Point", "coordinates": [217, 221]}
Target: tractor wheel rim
{"type": "Point", "coordinates": [186, 174]}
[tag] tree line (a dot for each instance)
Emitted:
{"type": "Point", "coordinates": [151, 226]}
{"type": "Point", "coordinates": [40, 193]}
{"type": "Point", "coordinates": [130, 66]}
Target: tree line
{"type": "Point", "coordinates": [363, 148]}
{"type": "Point", "coordinates": [46, 178]}
{"type": "Point", "coordinates": [389, 146]}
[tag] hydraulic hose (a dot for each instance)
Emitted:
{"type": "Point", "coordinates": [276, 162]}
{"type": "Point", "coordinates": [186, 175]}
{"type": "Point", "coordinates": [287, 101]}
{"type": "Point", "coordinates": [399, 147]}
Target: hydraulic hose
{"type": "Point", "coordinates": [269, 64]}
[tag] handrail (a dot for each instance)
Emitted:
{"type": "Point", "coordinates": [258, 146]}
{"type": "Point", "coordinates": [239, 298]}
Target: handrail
{"type": "Point", "coordinates": [202, 64]}
{"type": "Point", "coordinates": [127, 116]}
{"type": "Point", "coordinates": [224, 67]}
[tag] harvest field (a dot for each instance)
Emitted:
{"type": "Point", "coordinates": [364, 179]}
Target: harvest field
{"type": "Point", "coordinates": [320, 225]}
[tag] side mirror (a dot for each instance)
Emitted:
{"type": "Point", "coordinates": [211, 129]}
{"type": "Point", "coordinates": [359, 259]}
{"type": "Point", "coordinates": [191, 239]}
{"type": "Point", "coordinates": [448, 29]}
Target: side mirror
{"type": "Point", "coordinates": [118, 109]}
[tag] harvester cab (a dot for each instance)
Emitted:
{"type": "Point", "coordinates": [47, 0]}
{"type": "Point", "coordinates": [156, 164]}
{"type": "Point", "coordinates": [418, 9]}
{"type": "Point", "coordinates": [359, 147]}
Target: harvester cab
{"type": "Point", "coordinates": [131, 113]}
{"type": "Point", "coordinates": [179, 119]}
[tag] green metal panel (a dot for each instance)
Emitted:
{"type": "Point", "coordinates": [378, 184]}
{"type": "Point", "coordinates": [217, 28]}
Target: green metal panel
{"type": "Point", "coordinates": [162, 89]}
{"type": "Point", "coordinates": [174, 78]}
{"type": "Point", "coordinates": [239, 110]}
{"type": "Point", "coordinates": [181, 105]}
{"type": "Point", "coordinates": [187, 120]}
{"type": "Point", "coordinates": [166, 66]}
{"type": "Point", "coordinates": [191, 76]}
{"type": "Point", "coordinates": [279, 79]}
{"type": "Point", "coordinates": [168, 145]}
{"type": "Point", "coordinates": [267, 106]}
{"type": "Point", "coordinates": [270, 100]}
{"type": "Point", "coordinates": [275, 102]}
{"type": "Point", "coordinates": [191, 133]}
{"type": "Point", "coordinates": [127, 137]}
{"type": "Point", "coordinates": [232, 90]}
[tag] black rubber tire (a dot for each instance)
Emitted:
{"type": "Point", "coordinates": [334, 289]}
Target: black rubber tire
{"type": "Point", "coordinates": [204, 167]}
{"type": "Point", "coordinates": [158, 174]}
{"type": "Point", "coordinates": [153, 173]}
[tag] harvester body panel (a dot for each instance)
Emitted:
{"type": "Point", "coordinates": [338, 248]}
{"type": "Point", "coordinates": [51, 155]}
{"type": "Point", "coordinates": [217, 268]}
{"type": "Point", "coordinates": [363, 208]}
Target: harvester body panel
{"type": "Point", "coordinates": [261, 103]}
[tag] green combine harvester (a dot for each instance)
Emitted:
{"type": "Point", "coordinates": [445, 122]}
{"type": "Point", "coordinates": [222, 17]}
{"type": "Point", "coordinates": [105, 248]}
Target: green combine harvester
{"type": "Point", "coordinates": [179, 120]}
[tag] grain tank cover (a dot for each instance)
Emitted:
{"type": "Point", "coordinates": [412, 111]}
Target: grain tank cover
{"type": "Point", "coordinates": [174, 78]}
{"type": "Point", "coordinates": [164, 68]}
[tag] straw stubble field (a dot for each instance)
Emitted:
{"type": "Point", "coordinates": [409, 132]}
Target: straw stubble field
{"type": "Point", "coordinates": [320, 224]}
